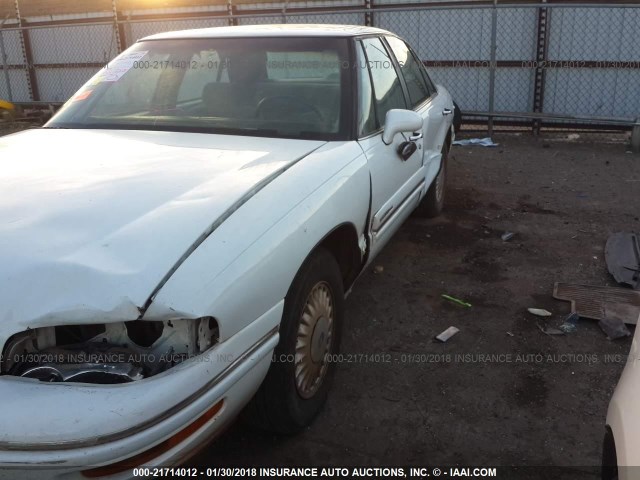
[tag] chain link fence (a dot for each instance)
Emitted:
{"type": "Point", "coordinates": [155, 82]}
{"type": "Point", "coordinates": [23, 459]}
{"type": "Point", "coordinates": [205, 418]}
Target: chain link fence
{"type": "Point", "coordinates": [527, 64]}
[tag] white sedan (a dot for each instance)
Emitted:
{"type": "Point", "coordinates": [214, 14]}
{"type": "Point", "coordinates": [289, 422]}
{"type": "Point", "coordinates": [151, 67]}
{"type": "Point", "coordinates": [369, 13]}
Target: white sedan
{"type": "Point", "coordinates": [178, 241]}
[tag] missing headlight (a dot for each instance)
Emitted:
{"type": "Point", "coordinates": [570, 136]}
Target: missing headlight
{"type": "Point", "coordinates": [106, 353]}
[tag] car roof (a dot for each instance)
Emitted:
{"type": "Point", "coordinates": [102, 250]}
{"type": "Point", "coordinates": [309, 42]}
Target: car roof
{"type": "Point", "coordinates": [286, 30]}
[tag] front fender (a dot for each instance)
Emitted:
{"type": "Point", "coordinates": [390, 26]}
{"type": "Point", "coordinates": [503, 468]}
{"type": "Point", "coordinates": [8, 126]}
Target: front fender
{"type": "Point", "coordinates": [249, 262]}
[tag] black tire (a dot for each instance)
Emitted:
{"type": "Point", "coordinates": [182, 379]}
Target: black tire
{"type": "Point", "coordinates": [457, 118]}
{"type": "Point", "coordinates": [609, 457]}
{"type": "Point", "coordinates": [433, 202]}
{"type": "Point", "coordinates": [279, 405]}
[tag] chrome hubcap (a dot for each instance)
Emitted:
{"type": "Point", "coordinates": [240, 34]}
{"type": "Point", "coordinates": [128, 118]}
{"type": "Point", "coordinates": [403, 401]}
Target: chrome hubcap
{"type": "Point", "coordinates": [313, 340]}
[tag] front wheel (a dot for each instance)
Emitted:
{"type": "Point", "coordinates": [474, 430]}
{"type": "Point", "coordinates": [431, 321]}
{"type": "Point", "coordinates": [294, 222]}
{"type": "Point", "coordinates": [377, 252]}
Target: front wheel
{"type": "Point", "coordinates": [433, 202]}
{"type": "Point", "coordinates": [298, 380]}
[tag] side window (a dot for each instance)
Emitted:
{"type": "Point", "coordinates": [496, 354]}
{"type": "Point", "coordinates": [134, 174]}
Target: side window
{"type": "Point", "coordinates": [366, 112]}
{"type": "Point", "coordinates": [411, 71]}
{"type": "Point", "coordinates": [430, 85]}
{"type": "Point", "coordinates": [386, 83]}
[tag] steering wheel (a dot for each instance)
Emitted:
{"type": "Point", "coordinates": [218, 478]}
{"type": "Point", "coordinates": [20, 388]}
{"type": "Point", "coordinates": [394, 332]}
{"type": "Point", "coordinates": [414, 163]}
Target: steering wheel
{"type": "Point", "coordinates": [282, 104]}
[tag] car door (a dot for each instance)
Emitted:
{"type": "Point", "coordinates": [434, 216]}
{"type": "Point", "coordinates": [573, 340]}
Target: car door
{"type": "Point", "coordinates": [396, 183]}
{"type": "Point", "coordinates": [424, 99]}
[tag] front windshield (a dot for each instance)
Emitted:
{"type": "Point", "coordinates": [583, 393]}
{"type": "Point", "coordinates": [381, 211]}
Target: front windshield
{"type": "Point", "coordinates": [277, 87]}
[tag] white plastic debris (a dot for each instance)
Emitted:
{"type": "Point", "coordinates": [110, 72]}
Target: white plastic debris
{"type": "Point", "coordinates": [483, 142]}
{"type": "Point", "coordinates": [539, 312]}
{"type": "Point", "coordinates": [506, 236]}
{"type": "Point", "coordinates": [447, 334]}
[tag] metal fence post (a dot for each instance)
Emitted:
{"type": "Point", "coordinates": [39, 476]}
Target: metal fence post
{"type": "Point", "coordinates": [368, 16]}
{"type": "Point", "coordinates": [231, 11]}
{"type": "Point", "coordinates": [124, 32]}
{"type": "Point", "coordinates": [542, 42]}
{"type": "Point", "coordinates": [27, 55]}
{"type": "Point", "coordinates": [492, 64]}
{"type": "Point", "coordinates": [5, 65]}
{"type": "Point", "coordinates": [118, 30]}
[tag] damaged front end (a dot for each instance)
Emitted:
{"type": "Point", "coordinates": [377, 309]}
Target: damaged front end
{"type": "Point", "coordinates": [108, 353]}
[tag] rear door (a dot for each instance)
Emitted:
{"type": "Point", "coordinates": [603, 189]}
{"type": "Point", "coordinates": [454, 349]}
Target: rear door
{"type": "Point", "coordinates": [396, 183]}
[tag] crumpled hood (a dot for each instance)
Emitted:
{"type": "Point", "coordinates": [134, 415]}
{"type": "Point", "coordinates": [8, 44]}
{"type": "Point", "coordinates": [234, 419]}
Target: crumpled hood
{"type": "Point", "coordinates": [91, 221]}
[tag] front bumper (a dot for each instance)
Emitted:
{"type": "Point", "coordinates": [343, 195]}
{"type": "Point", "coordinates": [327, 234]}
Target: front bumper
{"type": "Point", "coordinates": [59, 430]}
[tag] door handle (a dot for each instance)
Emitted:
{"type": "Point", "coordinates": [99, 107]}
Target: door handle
{"type": "Point", "coordinates": [447, 111]}
{"type": "Point", "coordinates": [415, 137]}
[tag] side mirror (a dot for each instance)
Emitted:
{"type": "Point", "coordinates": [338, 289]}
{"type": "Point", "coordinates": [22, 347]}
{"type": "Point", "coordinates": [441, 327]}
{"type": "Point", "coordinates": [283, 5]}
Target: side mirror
{"type": "Point", "coordinates": [398, 121]}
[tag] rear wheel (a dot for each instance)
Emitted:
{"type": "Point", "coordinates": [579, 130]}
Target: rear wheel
{"type": "Point", "coordinates": [433, 202]}
{"type": "Point", "coordinates": [457, 118]}
{"type": "Point", "coordinates": [609, 457]}
{"type": "Point", "coordinates": [298, 380]}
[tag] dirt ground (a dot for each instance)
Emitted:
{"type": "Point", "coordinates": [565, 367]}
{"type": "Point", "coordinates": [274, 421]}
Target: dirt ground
{"type": "Point", "coordinates": [540, 400]}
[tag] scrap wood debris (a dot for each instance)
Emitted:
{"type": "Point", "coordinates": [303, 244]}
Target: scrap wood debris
{"type": "Point", "coordinates": [600, 303]}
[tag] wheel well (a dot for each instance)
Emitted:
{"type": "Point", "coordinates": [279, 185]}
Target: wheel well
{"type": "Point", "coordinates": [342, 243]}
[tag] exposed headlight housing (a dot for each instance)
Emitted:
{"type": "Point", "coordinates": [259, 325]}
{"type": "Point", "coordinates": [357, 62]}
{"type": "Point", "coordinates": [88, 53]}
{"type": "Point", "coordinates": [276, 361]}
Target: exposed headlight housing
{"type": "Point", "coordinates": [106, 353]}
